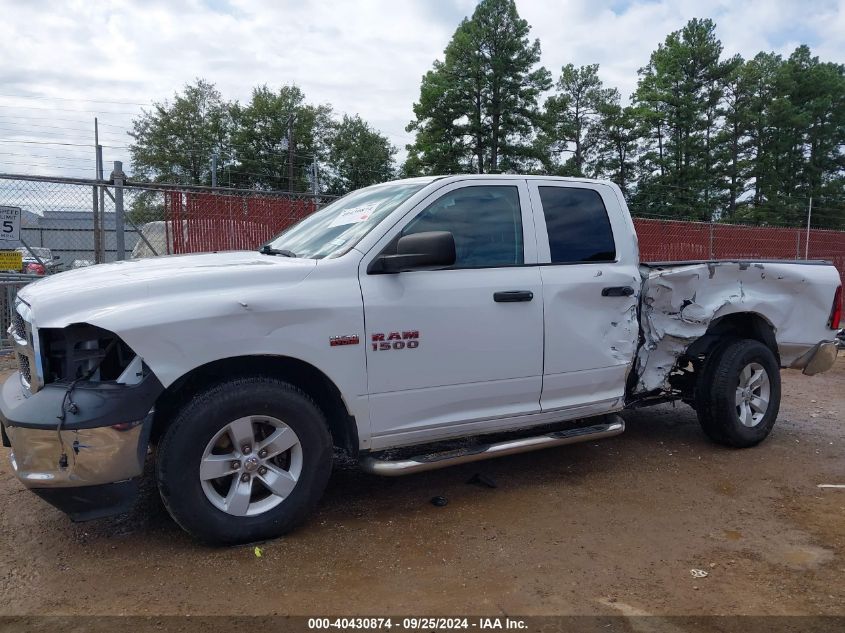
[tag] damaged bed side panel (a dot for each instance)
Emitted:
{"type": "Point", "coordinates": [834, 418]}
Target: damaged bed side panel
{"type": "Point", "coordinates": [679, 302]}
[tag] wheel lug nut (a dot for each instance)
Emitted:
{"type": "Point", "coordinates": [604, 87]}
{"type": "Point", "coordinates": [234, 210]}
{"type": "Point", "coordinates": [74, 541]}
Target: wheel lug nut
{"type": "Point", "coordinates": [262, 453]}
{"type": "Point", "coordinates": [236, 464]}
{"type": "Point", "coordinates": [245, 477]}
{"type": "Point", "coordinates": [262, 470]}
{"type": "Point", "coordinates": [246, 449]}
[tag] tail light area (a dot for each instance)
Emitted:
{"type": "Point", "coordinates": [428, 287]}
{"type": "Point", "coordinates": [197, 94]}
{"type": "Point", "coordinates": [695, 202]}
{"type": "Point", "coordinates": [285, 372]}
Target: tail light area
{"type": "Point", "coordinates": [836, 310]}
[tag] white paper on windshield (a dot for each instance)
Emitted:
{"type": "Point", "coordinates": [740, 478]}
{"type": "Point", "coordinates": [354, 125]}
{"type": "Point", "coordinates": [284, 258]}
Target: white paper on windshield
{"type": "Point", "coordinates": [355, 214]}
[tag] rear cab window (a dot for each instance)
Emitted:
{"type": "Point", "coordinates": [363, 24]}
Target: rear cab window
{"type": "Point", "coordinates": [577, 225]}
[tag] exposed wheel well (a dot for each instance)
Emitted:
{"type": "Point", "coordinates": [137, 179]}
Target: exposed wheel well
{"type": "Point", "coordinates": [311, 380]}
{"type": "Point", "coordinates": [739, 325]}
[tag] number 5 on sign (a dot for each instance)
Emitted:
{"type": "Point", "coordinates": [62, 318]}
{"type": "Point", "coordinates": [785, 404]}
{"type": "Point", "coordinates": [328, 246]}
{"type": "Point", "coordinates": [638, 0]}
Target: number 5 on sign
{"type": "Point", "coordinates": [10, 223]}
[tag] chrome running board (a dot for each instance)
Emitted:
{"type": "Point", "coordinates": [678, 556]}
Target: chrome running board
{"type": "Point", "coordinates": [420, 463]}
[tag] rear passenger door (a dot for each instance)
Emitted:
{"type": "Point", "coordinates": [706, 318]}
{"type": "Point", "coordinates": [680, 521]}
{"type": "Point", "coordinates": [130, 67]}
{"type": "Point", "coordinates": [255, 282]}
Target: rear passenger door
{"type": "Point", "coordinates": [588, 264]}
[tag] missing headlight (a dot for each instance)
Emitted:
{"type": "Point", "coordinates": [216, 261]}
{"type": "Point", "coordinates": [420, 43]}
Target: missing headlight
{"type": "Point", "coordinates": [83, 351]}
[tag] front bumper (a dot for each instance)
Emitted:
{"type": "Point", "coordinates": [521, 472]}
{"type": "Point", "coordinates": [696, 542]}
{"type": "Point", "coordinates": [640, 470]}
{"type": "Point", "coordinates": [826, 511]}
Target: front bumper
{"type": "Point", "coordinates": [91, 467]}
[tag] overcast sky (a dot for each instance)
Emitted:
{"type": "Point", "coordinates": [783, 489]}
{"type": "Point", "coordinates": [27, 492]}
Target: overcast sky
{"type": "Point", "coordinates": [65, 61]}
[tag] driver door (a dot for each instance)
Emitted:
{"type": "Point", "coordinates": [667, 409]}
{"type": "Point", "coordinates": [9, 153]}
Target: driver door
{"type": "Point", "coordinates": [452, 348]}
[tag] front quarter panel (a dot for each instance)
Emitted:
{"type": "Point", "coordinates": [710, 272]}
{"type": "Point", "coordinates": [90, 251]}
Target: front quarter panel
{"type": "Point", "coordinates": [176, 333]}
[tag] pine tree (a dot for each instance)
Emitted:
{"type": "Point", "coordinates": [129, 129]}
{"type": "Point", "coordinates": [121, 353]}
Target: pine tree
{"type": "Point", "coordinates": [478, 107]}
{"type": "Point", "coordinates": [571, 120]}
{"type": "Point", "coordinates": [677, 96]}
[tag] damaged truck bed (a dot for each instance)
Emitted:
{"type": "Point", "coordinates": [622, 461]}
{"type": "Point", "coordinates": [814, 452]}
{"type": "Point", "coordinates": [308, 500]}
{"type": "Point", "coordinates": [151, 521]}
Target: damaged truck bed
{"type": "Point", "coordinates": [686, 307]}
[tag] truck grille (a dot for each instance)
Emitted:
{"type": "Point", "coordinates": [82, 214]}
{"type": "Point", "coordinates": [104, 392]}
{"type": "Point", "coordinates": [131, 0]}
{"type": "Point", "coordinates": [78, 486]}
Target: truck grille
{"type": "Point", "coordinates": [21, 338]}
{"type": "Point", "coordinates": [23, 365]}
{"type": "Point", "coordinates": [18, 324]}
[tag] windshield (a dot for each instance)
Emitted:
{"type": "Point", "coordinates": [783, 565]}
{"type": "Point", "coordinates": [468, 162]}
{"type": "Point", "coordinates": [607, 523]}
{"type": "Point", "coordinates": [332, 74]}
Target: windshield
{"type": "Point", "coordinates": [336, 228]}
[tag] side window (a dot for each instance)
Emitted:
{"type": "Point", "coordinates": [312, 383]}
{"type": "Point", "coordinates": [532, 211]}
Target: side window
{"type": "Point", "coordinates": [578, 226]}
{"type": "Point", "coordinates": [486, 222]}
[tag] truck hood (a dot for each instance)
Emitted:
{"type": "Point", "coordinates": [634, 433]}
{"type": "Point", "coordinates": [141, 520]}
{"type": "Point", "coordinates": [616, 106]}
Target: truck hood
{"type": "Point", "coordinates": [88, 294]}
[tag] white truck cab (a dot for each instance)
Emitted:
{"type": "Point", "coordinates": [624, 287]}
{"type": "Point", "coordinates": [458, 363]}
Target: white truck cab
{"type": "Point", "coordinates": [389, 324]}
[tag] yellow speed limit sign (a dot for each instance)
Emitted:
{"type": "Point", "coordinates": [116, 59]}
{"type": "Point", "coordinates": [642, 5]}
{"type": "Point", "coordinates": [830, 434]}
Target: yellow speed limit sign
{"type": "Point", "coordinates": [11, 260]}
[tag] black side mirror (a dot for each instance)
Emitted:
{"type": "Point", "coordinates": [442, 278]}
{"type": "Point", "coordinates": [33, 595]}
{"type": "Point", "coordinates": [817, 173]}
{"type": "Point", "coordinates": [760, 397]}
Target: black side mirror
{"type": "Point", "coordinates": [432, 249]}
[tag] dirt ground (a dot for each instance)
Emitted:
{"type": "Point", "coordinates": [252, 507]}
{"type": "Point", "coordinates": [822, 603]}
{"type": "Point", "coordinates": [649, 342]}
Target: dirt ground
{"type": "Point", "coordinates": [611, 527]}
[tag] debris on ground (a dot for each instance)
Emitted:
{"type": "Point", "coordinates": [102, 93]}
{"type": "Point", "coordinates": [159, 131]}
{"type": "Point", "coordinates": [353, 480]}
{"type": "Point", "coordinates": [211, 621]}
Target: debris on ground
{"type": "Point", "coordinates": [698, 573]}
{"type": "Point", "coordinates": [831, 486]}
{"type": "Point", "coordinates": [439, 501]}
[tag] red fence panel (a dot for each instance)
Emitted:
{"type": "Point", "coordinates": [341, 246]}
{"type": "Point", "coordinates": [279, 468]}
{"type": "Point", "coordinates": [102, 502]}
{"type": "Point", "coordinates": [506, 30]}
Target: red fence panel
{"type": "Point", "coordinates": [825, 244]}
{"type": "Point", "coordinates": [736, 241]}
{"type": "Point", "coordinates": [677, 240]}
{"type": "Point", "coordinates": [226, 222]}
{"type": "Point", "coordinates": [672, 240]}
{"type": "Point", "coordinates": [233, 221]}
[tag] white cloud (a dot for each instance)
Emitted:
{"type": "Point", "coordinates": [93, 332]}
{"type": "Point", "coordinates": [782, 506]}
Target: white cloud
{"type": "Point", "coordinates": [363, 57]}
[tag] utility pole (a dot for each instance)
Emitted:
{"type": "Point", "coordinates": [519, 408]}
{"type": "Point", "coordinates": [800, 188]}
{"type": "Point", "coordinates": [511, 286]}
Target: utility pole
{"type": "Point", "coordinates": [807, 241]}
{"type": "Point", "coordinates": [315, 178]}
{"type": "Point", "coordinates": [95, 207]}
{"type": "Point", "coordinates": [102, 220]}
{"type": "Point", "coordinates": [117, 177]}
{"type": "Point", "coordinates": [290, 152]}
{"type": "Point", "coordinates": [214, 169]}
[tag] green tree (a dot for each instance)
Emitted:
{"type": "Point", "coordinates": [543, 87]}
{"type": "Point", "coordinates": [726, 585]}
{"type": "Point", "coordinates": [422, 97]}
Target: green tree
{"type": "Point", "coordinates": [572, 120]}
{"type": "Point", "coordinates": [617, 144]}
{"type": "Point", "coordinates": [263, 129]}
{"type": "Point", "coordinates": [441, 142]}
{"type": "Point", "coordinates": [174, 141]}
{"type": "Point", "coordinates": [678, 95]}
{"type": "Point", "coordinates": [358, 156]}
{"type": "Point", "coordinates": [761, 72]}
{"type": "Point", "coordinates": [733, 141]}
{"type": "Point", "coordinates": [478, 107]}
{"type": "Point", "coordinates": [808, 112]}
{"type": "Point", "coordinates": [795, 134]}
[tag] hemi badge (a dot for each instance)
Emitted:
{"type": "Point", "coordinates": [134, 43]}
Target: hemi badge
{"type": "Point", "coordinates": [349, 339]}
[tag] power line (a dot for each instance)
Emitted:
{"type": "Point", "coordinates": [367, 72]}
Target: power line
{"type": "Point", "coordinates": [66, 158]}
{"type": "Point", "coordinates": [20, 107]}
{"type": "Point", "coordinates": [40, 97]}
{"type": "Point", "coordinates": [7, 140]}
{"type": "Point", "coordinates": [50, 118]}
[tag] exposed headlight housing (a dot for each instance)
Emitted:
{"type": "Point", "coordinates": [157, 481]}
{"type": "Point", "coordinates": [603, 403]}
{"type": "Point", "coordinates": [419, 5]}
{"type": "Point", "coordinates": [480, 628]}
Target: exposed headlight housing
{"type": "Point", "coordinates": [83, 351]}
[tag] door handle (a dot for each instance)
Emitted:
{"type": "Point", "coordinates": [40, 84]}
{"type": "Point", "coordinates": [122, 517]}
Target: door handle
{"type": "Point", "coordinates": [512, 296]}
{"type": "Point", "coordinates": [617, 291]}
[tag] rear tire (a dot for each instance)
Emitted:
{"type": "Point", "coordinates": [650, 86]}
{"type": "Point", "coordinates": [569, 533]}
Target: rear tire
{"type": "Point", "coordinates": [244, 461]}
{"type": "Point", "coordinates": [738, 394]}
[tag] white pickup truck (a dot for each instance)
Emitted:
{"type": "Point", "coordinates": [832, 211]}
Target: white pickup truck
{"type": "Point", "coordinates": [511, 312]}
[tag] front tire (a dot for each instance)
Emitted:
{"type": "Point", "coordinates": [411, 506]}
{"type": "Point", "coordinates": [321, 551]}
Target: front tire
{"type": "Point", "coordinates": [244, 461]}
{"type": "Point", "coordinates": [738, 394]}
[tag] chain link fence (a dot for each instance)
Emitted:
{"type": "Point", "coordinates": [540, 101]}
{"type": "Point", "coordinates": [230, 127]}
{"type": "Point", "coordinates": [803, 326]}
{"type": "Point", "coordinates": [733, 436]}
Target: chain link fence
{"type": "Point", "coordinates": [58, 215]}
{"type": "Point", "coordinates": [71, 222]}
